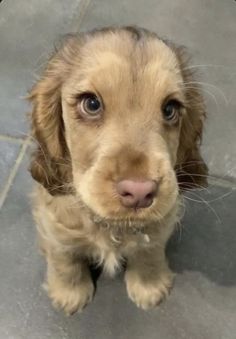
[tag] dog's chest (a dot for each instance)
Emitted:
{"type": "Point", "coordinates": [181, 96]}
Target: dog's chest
{"type": "Point", "coordinates": [112, 248]}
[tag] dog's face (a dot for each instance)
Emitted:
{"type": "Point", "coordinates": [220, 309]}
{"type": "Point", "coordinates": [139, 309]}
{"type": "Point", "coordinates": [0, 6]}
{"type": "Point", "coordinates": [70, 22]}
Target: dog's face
{"type": "Point", "coordinates": [122, 111]}
{"type": "Point", "coordinates": [112, 114]}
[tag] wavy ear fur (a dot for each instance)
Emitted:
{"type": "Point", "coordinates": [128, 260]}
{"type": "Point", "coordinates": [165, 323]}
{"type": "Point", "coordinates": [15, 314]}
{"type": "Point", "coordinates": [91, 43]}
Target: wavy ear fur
{"type": "Point", "coordinates": [51, 164]}
{"type": "Point", "coordinates": [191, 170]}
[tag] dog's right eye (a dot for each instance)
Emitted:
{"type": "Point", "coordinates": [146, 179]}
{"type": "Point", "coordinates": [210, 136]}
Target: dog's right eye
{"type": "Point", "coordinates": [90, 106]}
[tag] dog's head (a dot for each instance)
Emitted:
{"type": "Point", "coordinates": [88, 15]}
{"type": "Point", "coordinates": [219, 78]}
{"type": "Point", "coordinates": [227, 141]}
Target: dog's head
{"type": "Point", "coordinates": [118, 120]}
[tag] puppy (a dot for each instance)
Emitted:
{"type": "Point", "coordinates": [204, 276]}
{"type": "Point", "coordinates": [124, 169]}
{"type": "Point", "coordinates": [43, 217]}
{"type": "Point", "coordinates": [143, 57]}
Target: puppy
{"type": "Point", "coordinates": [118, 120]}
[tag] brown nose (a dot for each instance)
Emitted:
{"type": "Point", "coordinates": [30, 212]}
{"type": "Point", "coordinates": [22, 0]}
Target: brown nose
{"type": "Point", "coordinates": [137, 194]}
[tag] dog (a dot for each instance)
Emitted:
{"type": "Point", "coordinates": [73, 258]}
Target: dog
{"type": "Point", "coordinates": [117, 118]}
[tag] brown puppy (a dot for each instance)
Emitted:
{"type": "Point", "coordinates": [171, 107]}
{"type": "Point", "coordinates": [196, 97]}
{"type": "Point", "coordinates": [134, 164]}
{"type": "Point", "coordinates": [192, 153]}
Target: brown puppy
{"type": "Point", "coordinates": [118, 120]}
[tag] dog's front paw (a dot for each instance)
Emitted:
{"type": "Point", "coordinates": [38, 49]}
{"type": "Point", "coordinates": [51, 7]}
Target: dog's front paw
{"type": "Point", "coordinates": [148, 294]}
{"type": "Point", "coordinates": [71, 299]}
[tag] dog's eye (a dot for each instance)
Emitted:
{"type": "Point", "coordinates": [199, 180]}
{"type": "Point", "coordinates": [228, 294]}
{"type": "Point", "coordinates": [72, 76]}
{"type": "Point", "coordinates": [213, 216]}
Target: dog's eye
{"type": "Point", "coordinates": [90, 105]}
{"type": "Point", "coordinates": [171, 110]}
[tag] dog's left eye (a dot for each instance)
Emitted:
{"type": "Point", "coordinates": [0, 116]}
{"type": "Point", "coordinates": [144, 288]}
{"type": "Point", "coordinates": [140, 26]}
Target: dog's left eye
{"type": "Point", "coordinates": [171, 110]}
{"type": "Point", "coordinates": [90, 105]}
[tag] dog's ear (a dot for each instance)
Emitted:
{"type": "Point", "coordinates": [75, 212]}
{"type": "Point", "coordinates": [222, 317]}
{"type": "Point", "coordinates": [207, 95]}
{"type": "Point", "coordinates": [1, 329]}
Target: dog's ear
{"type": "Point", "coordinates": [191, 170]}
{"type": "Point", "coordinates": [51, 165]}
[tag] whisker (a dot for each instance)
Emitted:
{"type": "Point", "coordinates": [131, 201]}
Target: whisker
{"type": "Point", "coordinates": [194, 162]}
{"type": "Point", "coordinates": [207, 92]}
{"type": "Point", "coordinates": [197, 175]}
{"type": "Point", "coordinates": [206, 65]}
{"type": "Point", "coordinates": [199, 187]}
{"type": "Point", "coordinates": [201, 83]}
{"type": "Point", "coordinates": [203, 201]}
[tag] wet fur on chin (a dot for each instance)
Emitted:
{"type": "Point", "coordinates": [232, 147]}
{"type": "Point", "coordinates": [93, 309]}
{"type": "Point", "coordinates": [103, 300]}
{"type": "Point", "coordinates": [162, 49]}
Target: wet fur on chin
{"type": "Point", "coordinates": [78, 161]}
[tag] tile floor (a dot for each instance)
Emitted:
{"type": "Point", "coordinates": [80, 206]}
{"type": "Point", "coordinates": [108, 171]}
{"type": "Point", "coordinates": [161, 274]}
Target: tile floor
{"type": "Point", "coordinates": [203, 254]}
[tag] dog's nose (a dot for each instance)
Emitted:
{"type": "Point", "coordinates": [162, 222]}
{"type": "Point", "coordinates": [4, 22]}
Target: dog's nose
{"type": "Point", "coordinates": [137, 194]}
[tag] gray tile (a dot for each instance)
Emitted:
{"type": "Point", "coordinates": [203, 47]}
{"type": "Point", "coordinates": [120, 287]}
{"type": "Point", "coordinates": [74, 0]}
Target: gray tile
{"type": "Point", "coordinates": [208, 29]}
{"type": "Point", "coordinates": [28, 31]}
{"type": "Point", "coordinates": [202, 304]}
{"type": "Point", "coordinates": [8, 155]}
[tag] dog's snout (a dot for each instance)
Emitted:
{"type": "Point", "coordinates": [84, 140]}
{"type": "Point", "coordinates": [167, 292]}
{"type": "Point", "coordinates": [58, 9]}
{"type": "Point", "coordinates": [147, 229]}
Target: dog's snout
{"type": "Point", "coordinates": [137, 194]}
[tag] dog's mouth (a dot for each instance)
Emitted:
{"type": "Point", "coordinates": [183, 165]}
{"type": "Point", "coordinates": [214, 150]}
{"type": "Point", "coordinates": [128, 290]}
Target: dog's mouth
{"type": "Point", "coordinates": [125, 223]}
{"type": "Point", "coordinates": [121, 222]}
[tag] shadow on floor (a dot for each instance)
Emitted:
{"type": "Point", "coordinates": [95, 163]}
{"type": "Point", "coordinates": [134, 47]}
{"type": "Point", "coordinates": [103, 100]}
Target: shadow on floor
{"type": "Point", "coordinates": [206, 240]}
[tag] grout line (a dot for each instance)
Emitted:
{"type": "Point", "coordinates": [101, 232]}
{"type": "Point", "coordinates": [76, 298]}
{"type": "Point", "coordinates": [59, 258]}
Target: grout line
{"type": "Point", "coordinates": [83, 9]}
{"type": "Point", "coordinates": [12, 139]}
{"type": "Point", "coordinates": [222, 182]}
{"type": "Point", "coordinates": [13, 171]}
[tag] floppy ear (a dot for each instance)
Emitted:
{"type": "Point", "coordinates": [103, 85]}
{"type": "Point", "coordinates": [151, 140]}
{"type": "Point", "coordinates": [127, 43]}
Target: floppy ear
{"type": "Point", "coordinates": [51, 165]}
{"type": "Point", "coordinates": [191, 170]}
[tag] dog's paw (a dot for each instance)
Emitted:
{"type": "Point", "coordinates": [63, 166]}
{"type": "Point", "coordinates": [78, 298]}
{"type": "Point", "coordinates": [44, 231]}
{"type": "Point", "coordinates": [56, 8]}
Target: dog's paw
{"type": "Point", "coordinates": [148, 294]}
{"type": "Point", "coordinates": [71, 299]}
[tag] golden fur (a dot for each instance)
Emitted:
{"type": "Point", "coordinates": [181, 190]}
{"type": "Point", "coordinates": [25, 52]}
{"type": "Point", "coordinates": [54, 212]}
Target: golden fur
{"type": "Point", "coordinates": [79, 161]}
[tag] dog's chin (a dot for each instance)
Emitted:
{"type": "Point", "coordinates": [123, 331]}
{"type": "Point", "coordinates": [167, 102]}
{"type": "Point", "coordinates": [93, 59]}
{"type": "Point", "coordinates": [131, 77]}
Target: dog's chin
{"type": "Point", "coordinates": [138, 219]}
{"type": "Point", "coordinates": [123, 222]}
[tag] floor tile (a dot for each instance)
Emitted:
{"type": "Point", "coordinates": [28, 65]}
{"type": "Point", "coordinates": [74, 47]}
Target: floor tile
{"type": "Point", "coordinates": [26, 43]}
{"type": "Point", "coordinates": [8, 154]}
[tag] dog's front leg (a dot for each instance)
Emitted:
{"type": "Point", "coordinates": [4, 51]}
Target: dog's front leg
{"type": "Point", "coordinates": [69, 282]}
{"type": "Point", "coordinates": [148, 277]}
